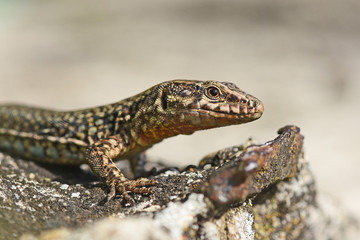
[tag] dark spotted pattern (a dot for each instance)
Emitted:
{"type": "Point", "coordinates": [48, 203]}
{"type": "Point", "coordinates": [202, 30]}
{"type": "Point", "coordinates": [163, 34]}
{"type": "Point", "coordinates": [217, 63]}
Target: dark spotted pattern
{"type": "Point", "coordinates": [100, 135]}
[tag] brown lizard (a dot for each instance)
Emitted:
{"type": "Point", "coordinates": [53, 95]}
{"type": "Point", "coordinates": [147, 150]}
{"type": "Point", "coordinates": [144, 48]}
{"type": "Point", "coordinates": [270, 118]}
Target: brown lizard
{"type": "Point", "coordinates": [99, 136]}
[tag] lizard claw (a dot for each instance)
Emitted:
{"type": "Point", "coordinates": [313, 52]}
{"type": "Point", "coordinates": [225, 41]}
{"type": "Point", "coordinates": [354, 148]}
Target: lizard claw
{"type": "Point", "coordinates": [140, 185]}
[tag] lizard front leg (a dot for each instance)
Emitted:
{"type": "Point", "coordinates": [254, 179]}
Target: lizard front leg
{"type": "Point", "coordinates": [99, 157]}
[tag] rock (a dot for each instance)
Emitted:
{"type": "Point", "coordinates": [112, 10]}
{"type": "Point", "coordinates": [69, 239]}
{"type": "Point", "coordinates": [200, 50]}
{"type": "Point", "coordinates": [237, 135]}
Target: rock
{"type": "Point", "coordinates": [243, 192]}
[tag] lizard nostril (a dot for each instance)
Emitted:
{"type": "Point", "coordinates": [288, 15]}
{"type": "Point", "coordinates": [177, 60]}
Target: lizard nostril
{"type": "Point", "coordinates": [252, 103]}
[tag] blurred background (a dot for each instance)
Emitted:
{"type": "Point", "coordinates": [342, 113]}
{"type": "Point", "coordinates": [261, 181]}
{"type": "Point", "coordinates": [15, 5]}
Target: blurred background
{"type": "Point", "coordinates": [301, 58]}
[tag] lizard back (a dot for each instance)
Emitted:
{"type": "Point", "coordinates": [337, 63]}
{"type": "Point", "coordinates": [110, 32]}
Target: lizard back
{"type": "Point", "coordinates": [52, 136]}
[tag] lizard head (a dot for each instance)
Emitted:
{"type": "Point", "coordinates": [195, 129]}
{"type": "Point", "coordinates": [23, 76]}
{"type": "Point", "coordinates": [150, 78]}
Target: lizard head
{"type": "Point", "coordinates": [209, 104]}
{"type": "Point", "coordinates": [184, 106]}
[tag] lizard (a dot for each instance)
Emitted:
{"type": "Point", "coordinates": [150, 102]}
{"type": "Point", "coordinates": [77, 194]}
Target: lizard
{"type": "Point", "coordinates": [101, 135]}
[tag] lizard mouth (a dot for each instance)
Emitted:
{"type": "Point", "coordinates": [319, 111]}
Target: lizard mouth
{"type": "Point", "coordinates": [252, 108]}
{"type": "Point", "coordinates": [221, 113]}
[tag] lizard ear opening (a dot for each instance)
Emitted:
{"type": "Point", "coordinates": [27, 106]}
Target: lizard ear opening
{"type": "Point", "coordinates": [164, 101]}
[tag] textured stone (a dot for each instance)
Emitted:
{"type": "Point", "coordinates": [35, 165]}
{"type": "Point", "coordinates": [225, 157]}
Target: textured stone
{"type": "Point", "coordinates": [277, 199]}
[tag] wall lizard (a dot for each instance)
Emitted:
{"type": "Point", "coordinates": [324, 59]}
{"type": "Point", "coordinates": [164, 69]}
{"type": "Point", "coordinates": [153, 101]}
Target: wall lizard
{"type": "Point", "coordinates": [101, 135]}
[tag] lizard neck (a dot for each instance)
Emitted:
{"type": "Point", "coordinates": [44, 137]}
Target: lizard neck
{"type": "Point", "coordinates": [149, 123]}
{"type": "Point", "coordinates": [161, 127]}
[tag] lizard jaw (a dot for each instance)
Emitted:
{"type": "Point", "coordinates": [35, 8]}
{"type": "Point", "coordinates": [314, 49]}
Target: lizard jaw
{"type": "Point", "coordinates": [248, 111]}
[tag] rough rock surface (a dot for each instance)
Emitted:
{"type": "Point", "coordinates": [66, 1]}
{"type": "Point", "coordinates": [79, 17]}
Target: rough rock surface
{"type": "Point", "coordinates": [244, 192]}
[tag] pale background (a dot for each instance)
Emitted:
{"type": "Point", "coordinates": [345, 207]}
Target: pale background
{"type": "Point", "coordinates": [301, 58]}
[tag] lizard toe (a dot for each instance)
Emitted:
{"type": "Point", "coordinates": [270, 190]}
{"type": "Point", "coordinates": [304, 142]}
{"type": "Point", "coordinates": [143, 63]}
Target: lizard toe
{"type": "Point", "coordinates": [141, 186]}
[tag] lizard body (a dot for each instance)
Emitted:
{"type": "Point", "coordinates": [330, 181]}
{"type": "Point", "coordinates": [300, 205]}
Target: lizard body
{"type": "Point", "coordinates": [99, 136]}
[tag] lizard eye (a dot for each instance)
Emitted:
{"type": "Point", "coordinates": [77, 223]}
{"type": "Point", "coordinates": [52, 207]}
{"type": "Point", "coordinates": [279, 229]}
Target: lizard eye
{"type": "Point", "coordinates": [213, 92]}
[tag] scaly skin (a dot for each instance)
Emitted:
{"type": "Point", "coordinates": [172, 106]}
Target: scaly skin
{"type": "Point", "coordinates": [98, 136]}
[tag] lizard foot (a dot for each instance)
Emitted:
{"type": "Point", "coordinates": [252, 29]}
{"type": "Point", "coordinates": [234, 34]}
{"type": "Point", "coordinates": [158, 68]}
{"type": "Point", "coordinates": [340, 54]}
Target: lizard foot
{"type": "Point", "coordinates": [140, 185]}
